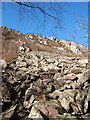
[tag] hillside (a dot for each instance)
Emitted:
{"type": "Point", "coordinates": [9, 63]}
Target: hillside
{"type": "Point", "coordinates": [43, 77]}
{"type": "Point", "coordinates": [11, 41]}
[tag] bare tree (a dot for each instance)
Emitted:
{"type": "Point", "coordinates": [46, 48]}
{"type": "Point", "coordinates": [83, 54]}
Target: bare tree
{"type": "Point", "coordinates": [51, 12]}
{"type": "Point", "coordinates": [37, 7]}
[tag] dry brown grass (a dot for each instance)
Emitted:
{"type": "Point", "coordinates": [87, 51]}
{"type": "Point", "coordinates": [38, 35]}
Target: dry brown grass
{"type": "Point", "coordinates": [76, 71]}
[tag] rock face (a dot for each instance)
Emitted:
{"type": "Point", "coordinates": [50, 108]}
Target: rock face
{"type": "Point", "coordinates": [43, 82]}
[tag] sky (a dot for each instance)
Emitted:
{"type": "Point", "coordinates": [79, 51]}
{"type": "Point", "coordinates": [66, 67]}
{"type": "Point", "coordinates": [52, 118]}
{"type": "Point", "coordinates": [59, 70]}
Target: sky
{"type": "Point", "coordinates": [70, 27]}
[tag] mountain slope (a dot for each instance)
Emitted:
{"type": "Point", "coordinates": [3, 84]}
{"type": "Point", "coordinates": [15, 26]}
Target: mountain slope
{"type": "Point", "coordinates": [43, 78]}
{"type": "Point", "coordinates": [11, 40]}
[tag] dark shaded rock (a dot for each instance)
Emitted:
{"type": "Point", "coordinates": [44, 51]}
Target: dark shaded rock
{"type": "Point", "coordinates": [5, 92]}
{"type": "Point", "coordinates": [6, 104]}
{"type": "Point", "coordinates": [10, 113]}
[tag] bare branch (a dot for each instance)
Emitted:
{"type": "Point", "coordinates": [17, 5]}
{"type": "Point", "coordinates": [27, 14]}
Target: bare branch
{"type": "Point", "coordinates": [30, 6]}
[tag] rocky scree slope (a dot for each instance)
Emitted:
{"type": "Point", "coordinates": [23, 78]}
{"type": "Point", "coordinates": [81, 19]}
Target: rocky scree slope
{"type": "Point", "coordinates": [11, 40]}
{"type": "Point", "coordinates": [41, 83]}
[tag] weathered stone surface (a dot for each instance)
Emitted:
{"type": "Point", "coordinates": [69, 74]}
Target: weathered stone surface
{"type": "Point", "coordinates": [75, 85]}
{"type": "Point", "coordinates": [57, 76]}
{"type": "Point", "coordinates": [48, 109]}
{"type": "Point", "coordinates": [70, 77]}
{"type": "Point", "coordinates": [35, 113]}
{"type": "Point", "coordinates": [28, 102]}
{"type": "Point", "coordinates": [3, 64]}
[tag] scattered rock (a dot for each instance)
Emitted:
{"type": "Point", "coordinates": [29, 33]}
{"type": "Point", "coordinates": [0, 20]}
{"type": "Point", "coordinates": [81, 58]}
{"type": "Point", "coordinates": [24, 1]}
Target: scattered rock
{"type": "Point", "coordinates": [43, 81]}
{"type": "Point", "coordinates": [70, 77]}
